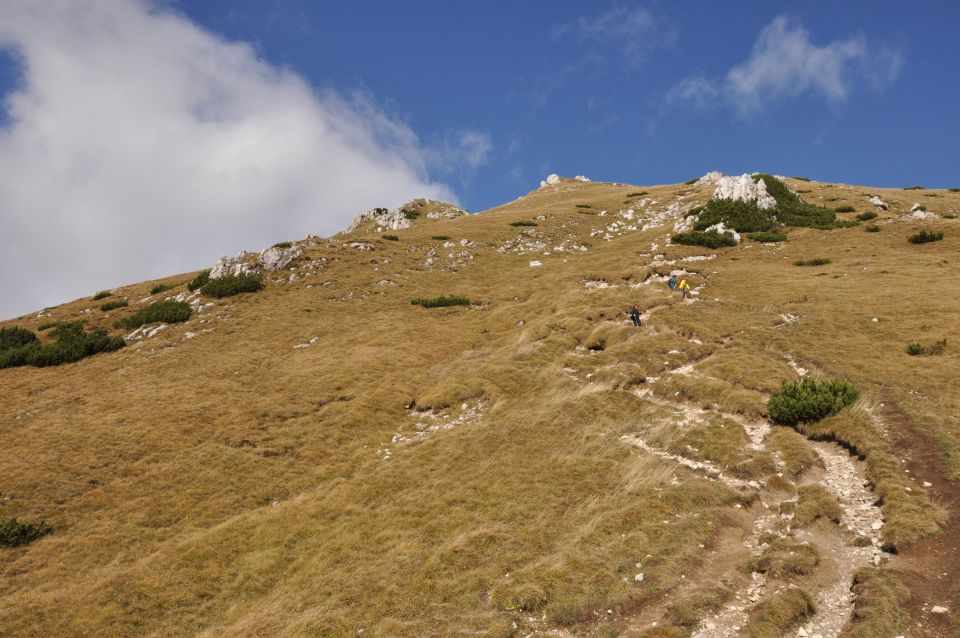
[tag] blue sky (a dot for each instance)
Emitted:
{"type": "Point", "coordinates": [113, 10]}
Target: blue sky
{"type": "Point", "coordinates": [552, 96]}
{"type": "Point", "coordinates": [140, 138]}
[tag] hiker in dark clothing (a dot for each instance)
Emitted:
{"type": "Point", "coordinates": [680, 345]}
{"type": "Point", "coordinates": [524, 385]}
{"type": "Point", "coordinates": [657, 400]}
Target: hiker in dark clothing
{"type": "Point", "coordinates": [635, 315]}
{"type": "Point", "coordinates": [672, 283]}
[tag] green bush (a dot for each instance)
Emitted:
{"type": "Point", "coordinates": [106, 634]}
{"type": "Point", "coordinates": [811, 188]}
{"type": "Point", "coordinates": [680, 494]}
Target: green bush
{"type": "Point", "coordinates": [914, 188]}
{"type": "Point", "coordinates": [843, 223]}
{"type": "Point", "coordinates": [162, 288]}
{"type": "Point", "coordinates": [818, 261]}
{"type": "Point", "coordinates": [743, 217]}
{"type": "Point", "coordinates": [954, 190]}
{"type": "Point", "coordinates": [440, 301]}
{"type": "Point", "coordinates": [167, 311]}
{"type": "Point", "coordinates": [14, 533]}
{"type": "Point", "coordinates": [103, 294]}
{"type": "Point", "coordinates": [915, 349]}
{"type": "Point", "coordinates": [711, 239]}
{"type": "Point", "coordinates": [72, 344]}
{"type": "Point", "coordinates": [230, 285]}
{"type": "Point", "coordinates": [746, 217]}
{"type": "Point", "coordinates": [440, 237]}
{"type": "Point", "coordinates": [867, 216]}
{"type": "Point", "coordinates": [767, 237]}
{"type": "Point", "coordinates": [806, 401]}
{"type": "Point", "coordinates": [584, 206]}
{"type": "Point", "coordinates": [803, 179]}
{"type": "Point", "coordinates": [410, 214]}
{"type": "Point", "coordinates": [523, 222]}
{"type": "Point", "coordinates": [113, 305]}
{"type": "Point", "coordinates": [199, 281]}
{"type": "Point", "coordinates": [845, 209]}
{"type": "Point", "coordinates": [391, 237]}
{"type": "Point", "coordinates": [872, 228]}
{"type": "Point", "coordinates": [15, 337]}
{"type": "Point", "coordinates": [925, 237]}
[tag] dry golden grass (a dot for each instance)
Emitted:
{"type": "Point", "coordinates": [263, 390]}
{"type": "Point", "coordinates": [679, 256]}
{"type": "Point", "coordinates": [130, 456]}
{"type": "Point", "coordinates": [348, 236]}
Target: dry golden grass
{"type": "Point", "coordinates": [232, 485]}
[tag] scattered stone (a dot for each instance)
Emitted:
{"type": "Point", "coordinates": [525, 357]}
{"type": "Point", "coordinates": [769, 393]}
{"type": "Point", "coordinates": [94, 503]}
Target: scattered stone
{"type": "Point", "coordinates": [879, 203]}
{"type": "Point", "coordinates": [535, 264]}
{"type": "Point", "coordinates": [939, 610]}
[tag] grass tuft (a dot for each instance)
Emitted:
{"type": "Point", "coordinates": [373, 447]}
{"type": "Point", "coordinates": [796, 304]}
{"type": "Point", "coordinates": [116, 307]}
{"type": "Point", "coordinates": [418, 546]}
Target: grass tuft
{"type": "Point", "coordinates": [877, 606]}
{"type": "Point", "coordinates": [816, 502]}
{"type": "Point", "coordinates": [783, 558]}
{"type": "Point", "coordinates": [782, 613]}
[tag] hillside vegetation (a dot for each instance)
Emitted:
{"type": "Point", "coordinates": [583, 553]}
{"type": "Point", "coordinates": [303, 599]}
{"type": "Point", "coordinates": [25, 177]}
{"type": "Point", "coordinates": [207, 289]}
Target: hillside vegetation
{"type": "Point", "coordinates": [460, 432]}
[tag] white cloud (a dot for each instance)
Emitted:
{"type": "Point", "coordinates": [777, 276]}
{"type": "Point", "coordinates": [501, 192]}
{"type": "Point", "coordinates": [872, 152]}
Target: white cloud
{"type": "Point", "coordinates": [141, 145]}
{"type": "Point", "coordinates": [460, 152]}
{"type": "Point", "coordinates": [785, 63]}
{"type": "Point", "coordinates": [633, 29]}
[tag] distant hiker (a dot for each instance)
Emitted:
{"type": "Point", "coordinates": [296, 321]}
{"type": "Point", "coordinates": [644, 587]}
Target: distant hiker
{"type": "Point", "coordinates": [672, 283]}
{"type": "Point", "coordinates": [635, 315]}
{"type": "Point", "coordinates": [684, 288]}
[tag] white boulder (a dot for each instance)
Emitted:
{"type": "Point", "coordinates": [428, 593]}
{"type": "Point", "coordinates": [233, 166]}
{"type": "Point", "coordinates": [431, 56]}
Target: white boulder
{"type": "Point", "coordinates": [552, 180]}
{"type": "Point", "coordinates": [710, 178]}
{"type": "Point", "coordinates": [582, 178]}
{"type": "Point", "coordinates": [721, 229]}
{"type": "Point", "coordinates": [275, 258]}
{"type": "Point", "coordinates": [879, 203]}
{"type": "Point", "coordinates": [744, 189]}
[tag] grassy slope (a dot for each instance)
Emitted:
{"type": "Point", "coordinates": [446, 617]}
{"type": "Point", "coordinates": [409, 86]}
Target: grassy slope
{"type": "Point", "coordinates": [230, 484]}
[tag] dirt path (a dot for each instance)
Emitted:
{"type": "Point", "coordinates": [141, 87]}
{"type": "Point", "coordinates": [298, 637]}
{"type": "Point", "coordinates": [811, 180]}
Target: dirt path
{"type": "Point", "coordinates": [931, 567]}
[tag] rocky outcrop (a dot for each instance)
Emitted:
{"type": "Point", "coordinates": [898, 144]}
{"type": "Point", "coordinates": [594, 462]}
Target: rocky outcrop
{"type": "Point", "coordinates": [552, 180]}
{"type": "Point", "coordinates": [276, 257]}
{"type": "Point", "coordinates": [744, 189]}
{"type": "Point", "coordinates": [879, 203]}
{"type": "Point", "coordinates": [382, 218]}
{"type": "Point", "coordinates": [710, 178]}
{"type": "Point", "coordinates": [239, 265]}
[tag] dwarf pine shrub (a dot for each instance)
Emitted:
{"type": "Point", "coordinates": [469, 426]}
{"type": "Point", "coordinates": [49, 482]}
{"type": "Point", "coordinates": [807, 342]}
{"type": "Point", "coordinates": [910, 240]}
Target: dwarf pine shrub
{"type": "Point", "coordinates": [282, 244]}
{"type": "Point", "coordinates": [806, 401]}
{"type": "Point", "coordinates": [914, 188]}
{"type": "Point", "coordinates": [845, 209]}
{"type": "Point", "coordinates": [113, 305]}
{"type": "Point", "coordinates": [802, 179]}
{"type": "Point", "coordinates": [15, 337]}
{"type": "Point", "coordinates": [199, 281]}
{"type": "Point", "coordinates": [440, 237]}
{"type": "Point", "coordinates": [872, 228]}
{"type": "Point", "coordinates": [867, 216]}
{"type": "Point", "coordinates": [767, 237]}
{"type": "Point", "coordinates": [103, 294]}
{"type": "Point", "coordinates": [523, 222]}
{"type": "Point", "coordinates": [72, 344]}
{"type": "Point", "coordinates": [915, 349]}
{"type": "Point", "coordinates": [166, 311]}
{"type": "Point", "coordinates": [162, 288]}
{"type": "Point", "coordinates": [14, 533]}
{"type": "Point", "coordinates": [637, 194]}
{"type": "Point", "coordinates": [440, 301]}
{"type": "Point", "coordinates": [410, 214]}
{"type": "Point", "coordinates": [584, 206]}
{"type": "Point", "coordinates": [230, 285]}
{"type": "Point", "coordinates": [391, 237]}
{"type": "Point", "coordinates": [710, 239]}
{"type": "Point", "coordinates": [818, 261]}
{"type": "Point", "coordinates": [954, 190]}
{"type": "Point", "coordinates": [925, 237]}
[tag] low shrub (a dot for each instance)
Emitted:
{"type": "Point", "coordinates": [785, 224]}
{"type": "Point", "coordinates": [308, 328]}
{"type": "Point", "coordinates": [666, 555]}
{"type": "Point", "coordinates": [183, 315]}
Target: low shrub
{"type": "Point", "coordinates": [15, 337]}
{"type": "Point", "coordinates": [14, 533]}
{"type": "Point", "coordinates": [523, 222]}
{"type": "Point", "coordinates": [867, 216]}
{"type": "Point", "coordinates": [410, 214]}
{"type": "Point", "coordinates": [938, 347]}
{"type": "Point", "coordinates": [954, 190]}
{"type": "Point", "coordinates": [230, 285]}
{"type": "Point", "coordinates": [914, 188]}
{"type": "Point", "coordinates": [806, 401]}
{"type": "Point", "coordinates": [167, 311]}
{"type": "Point", "coordinates": [844, 223]}
{"type": "Point", "coordinates": [282, 244]}
{"type": "Point", "coordinates": [72, 344]}
{"type": "Point", "coordinates": [584, 206]}
{"type": "Point", "coordinates": [711, 239]}
{"type": "Point", "coordinates": [440, 237]}
{"type": "Point", "coordinates": [113, 305]}
{"type": "Point", "coordinates": [949, 215]}
{"type": "Point", "coordinates": [103, 294]}
{"type": "Point", "coordinates": [162, 288]}
{"type": "Point", "coordinates": [872, 228]}
{"type": "Point", "coordinates": [845, 209]}
{"type": "Point", "coordinates": [818, 261]}
{"type": "Point", "coordinates": [803, 190]}
{"type": "Point", "coordinates": [767, 237]}
{"type": "Point", "coordinates": [637, 194]}
{"type": "Point", "coordinates": [691, 182]}
{"type": "Point", "coordinates": [925, 237]}
{"type": "Point", "coordinates": [391, 237]}
{"type": "Point", "coordinates": [440, 301]}
{"type": "Point", "coordinates": [915, 349]}
{"type": "Point", "coordinates": [803, 179]}
{"type": "Point", "coordinates": [199, 281]}
{"type": "Point", "coordinates": [744, 217]}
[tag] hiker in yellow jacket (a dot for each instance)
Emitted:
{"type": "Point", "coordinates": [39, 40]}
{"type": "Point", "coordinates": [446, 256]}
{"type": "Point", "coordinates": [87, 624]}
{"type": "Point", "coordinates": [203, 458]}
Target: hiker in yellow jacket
{"type": "Point", "coordinates": [684, 288]}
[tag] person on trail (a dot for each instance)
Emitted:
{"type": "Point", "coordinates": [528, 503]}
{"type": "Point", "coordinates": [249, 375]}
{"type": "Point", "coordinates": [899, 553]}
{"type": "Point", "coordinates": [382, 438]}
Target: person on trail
{"type": "Point", "coordinates": [635, 315]}
{"type": "Point", "coordinates": [684, 288]}
{"type": "Point", "coordinates": [672, 283]}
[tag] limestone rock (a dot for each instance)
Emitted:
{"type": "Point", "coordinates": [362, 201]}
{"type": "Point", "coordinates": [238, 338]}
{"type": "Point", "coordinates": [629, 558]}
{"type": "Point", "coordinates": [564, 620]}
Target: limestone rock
{"type": "Point", "coordinates": [382, 218]}
{"type": "Point", "coordinates": [744, 189]}
{"type": "Point", "coordinates": [720, 228]}
{"type": "Point", "coordinates": [232, 266]}
{"type": "Point", "coordinates": [710, 178]}
{"type": "Point", "coordinates": [552, 180]}
{"type": "Point", "coordinates": [879, 203]}
{"type": "Point", "coordinates": [275, 258]}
